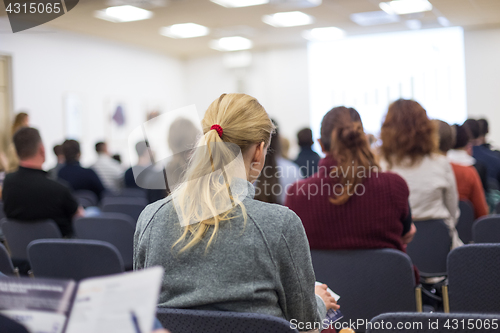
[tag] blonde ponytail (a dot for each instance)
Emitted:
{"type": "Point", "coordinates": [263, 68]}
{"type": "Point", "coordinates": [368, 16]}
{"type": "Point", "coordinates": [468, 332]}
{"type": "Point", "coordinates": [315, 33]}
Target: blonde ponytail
{"type": "Point", "coordinates": [201, 198]}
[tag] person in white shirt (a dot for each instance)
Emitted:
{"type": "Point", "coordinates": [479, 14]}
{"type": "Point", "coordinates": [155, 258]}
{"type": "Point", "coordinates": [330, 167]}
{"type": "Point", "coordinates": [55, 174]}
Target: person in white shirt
{"type": "Point", "coordinates": [410, 149]}
{"type": "Point", "coordinates": [108, 169]}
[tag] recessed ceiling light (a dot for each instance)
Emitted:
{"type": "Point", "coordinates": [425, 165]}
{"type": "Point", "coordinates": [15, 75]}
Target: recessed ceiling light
{"type": "Point", "coordinates": [373, 18]}
{"type": "Point", "coordinates": [124, 13]}
{"type": "Point", "coordinates": [239, 3]}
{"type": "Point", "coordinates": [287, 19]}
{"type": "Point", "coordinates": [231, 44]}
{"type": "Point", "coordinates": [184, 30]}
{"type": "Point", "coordinates": [402, 7]}
{"type": "Point", "coordinates": [324, 34]}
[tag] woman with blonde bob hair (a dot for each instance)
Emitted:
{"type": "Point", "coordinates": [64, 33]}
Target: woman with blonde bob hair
{"type": "Point", "coordinates": [410, 148]}
{"type": "Point", "coordinates": [221, 249]}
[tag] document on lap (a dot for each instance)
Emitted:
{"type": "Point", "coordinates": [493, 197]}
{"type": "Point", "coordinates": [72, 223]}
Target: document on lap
{"type": "Point", "coordinates": [102, 304]}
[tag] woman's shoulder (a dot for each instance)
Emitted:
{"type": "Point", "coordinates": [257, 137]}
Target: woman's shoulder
{"type": "Point", "coordinates": [269, 215]}
{"type": "Point", "coordinates": [160, 207]}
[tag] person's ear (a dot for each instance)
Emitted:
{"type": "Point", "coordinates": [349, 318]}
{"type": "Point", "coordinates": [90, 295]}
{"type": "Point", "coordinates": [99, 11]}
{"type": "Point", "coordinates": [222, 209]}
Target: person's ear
{"type": "Point", "coordinates": [259, 152]}
{"type": "Point", "coordinates": [325, 151]}
{"type": "Point", "coordinates": [41, 151]}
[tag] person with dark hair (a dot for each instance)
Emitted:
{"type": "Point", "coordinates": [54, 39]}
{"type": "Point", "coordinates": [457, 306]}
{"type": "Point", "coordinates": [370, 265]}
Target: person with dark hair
{"type": "Point", "coordinates": [481, 151]}
{"type": "Point", "coordinates": [28, 193]}
{"type": "Point", "coordinates": [349, 203]}
{"type": "Point", "coordinates": [74, 174]}
{"type": "Point", "coordinates": [468, 182]}
{"type": "Point", "coordinates": [308, 159]}
{"type": "Point", "coordinates": [109, 170]}
{"type": "Point", "coordinates": [410, 149]}
{"type": "Point", "coordinates": [143, 162]}
{"type": "Point", "coordinates": [60, 162]}
{"type": "Point", "coordinates": [277, 175]}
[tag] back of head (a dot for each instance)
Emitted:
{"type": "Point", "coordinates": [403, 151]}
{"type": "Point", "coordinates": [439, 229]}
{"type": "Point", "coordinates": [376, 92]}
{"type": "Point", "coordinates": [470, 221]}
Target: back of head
{"type": "Point", "coordinates": [100, 147]}
{"type": "Point", "coordinates": [461, 137]}
{"type": "Point", "coordinates": [305, 138]}
{"type": "Point", "coordinates": [446, 136]}
{"type": "Point", "coordinates": [328, 123]}
{"type": "Point", "coordinates": [472, 128]}
{"type": "Point", "coordinates": [71, 151]}
{"type": "Point", "coordinates": [141, 148]}
{"type": "Point", "coordinates": [350, 148]}
{"type": "Point", "coordinates": [27, 141]}
{"type": "Point", "coordinates": [20, 120]}
{"type": "Point", "coordinates": [58, 150]}
{"type": "Point", "coordinates": [182, 135]}
{"type": "Point", "coordinates": [231, 121]}
{"type": "Point", "coordinates": [484, 127]}
{"type": "Point", "coordinates": [407, 132]}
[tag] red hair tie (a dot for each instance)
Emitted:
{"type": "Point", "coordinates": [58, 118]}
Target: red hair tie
{"type": "Point", "coordinates": [218, 129]}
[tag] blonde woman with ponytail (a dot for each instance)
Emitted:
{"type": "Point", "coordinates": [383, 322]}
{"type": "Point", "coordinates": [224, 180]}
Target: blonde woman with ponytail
{"type": "Point", "coordinates": [221, 249]}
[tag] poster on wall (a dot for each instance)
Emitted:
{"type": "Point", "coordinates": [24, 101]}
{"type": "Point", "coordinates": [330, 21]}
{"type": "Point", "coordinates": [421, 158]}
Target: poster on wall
{"type": "Point", "coordinates": [73, 116]}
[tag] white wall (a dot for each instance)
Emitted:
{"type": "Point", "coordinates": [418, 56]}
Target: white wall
{"type": "Point", "coordinates": [482, 64]}
{"type": "Point", "coordinates": [279, 79]}
{"type": "Point", "coordinates": [48, 65]}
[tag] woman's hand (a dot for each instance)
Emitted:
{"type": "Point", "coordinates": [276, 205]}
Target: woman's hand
{"type": "Point", "coordinates": [330, 302]}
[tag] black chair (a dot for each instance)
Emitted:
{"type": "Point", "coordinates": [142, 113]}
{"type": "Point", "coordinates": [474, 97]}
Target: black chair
{"type": "Point", "coordinates": [465, 222]}
{"type": "Point", "coordinates": [73, 259]}
{"type": "Point", "coordinates": [497, 209]}
{"type": "Point", "coordinates": [430, 247]}
{"type": "Point", "coordinates": [124, 200]}
{"type": "Point", "coordinates": [6, 266]}
{"type": "Point", "coordinates": [86, 198]}
{"type": "Point", "coordinates": [493, 184]}
{"type": "Point", "coordinates": [487, 229]}
{"type": "Point", "coordinates": [369, 282]}
{"type": "Point", "coordinates": [127, 193]}
{"type": "Point", "coordinates": [189, 321]}
{"type": "Point", "coordinates": [404, 322]}
{"type": "Point", "coordinates": [8, 325]}
{"type": "Point", "coordinates": [20, 233]}
{"type": "Point", "coordinates": [117, 229]}
{"type": "Point", "coordinates": [473, 275]}
{"type": "Point", "coordinates": [132, 207]}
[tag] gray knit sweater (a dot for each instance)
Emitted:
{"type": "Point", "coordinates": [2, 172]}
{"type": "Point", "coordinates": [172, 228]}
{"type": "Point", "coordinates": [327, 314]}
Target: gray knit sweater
{"type": "Point", "coordinates": [261, 267]}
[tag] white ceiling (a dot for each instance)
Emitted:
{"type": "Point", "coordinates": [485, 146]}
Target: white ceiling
{"type": "Point", "coordinates": [246, 22]}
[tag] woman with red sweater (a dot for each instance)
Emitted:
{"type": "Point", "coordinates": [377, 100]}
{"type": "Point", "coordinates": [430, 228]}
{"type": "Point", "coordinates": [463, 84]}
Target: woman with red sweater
{"type": "Point", "coordinates": [349, 203]}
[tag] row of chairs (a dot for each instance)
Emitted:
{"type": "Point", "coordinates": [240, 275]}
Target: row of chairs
{"type": "Point", "coordinates": [188, 321]}
{"type": "Point", "coordinates": [115, 228]}
{"type": "Point", "coordinates": [431, 245]}
{"type": "Point", "coordinates": [372, 282]}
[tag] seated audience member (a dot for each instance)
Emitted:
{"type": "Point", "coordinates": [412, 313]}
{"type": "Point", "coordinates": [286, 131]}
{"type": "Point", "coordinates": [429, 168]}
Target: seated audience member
{"type": "Point", "coordinates": [252, 258]}
{"type": "Point", "coordinates": [308, 159]}
{"type": "Point", "coordinates": [277, 175]}
{"type": "Point", "coordinates": [28, 193]}
{"type": "Point", "coordinates": [144, 161]}
{"type": "Point", "coordinates": [468, 183]}
{"type": "Point", "coordinates": [22, 119]}
{"type": "Point", "coordinates": [342, 209]}
{"type": "Point", "coordinates": [58, 151]}
{"type": "Point", "coordinates": [410, 149]}
{"type": "Point", "coordinates": [481, 152]}
{"type": "Point", "coordinates": [108, 169]}
{"type": "Point", "coordinates": [77, 177]}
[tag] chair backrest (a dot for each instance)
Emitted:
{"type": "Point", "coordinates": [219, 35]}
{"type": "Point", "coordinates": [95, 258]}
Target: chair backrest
{"type": "Point", "coordinates": [86, 198]}
{"type": "Point", "coordinates": [188, 321]}
{"type": "Point", "coordinates": [497, 209]}
{"type": "Point", "coordinates": [493, 184]}
{"type": "Point", "coordinates": [434, 322]}
{"type": "Point", "coordinates": [473, 275]}
{"type": "Point", "coordinates": [465, 222]}
{"type": "Point", "coordinates": [124, 200]}
{"type": "Point", "coordinates": [2, 213]}
{"type": "Point", "coordinates": [20, 233]}
{"type": "Point", "coordinates": [128, 193]}
{"type": "Point", "coordinates": [73, 259]}
{"type": "Point", "coordinates": [129, 206]}
{"type": "Point", "coordinates": [8, 325]}
{"type": "Point", "coordinates": [369, 282]}
{"type": "Point", "coordinates": [430, 247]}
{"type": "Point", "coordinates": [487, 229]}
{"type": "Point", "coordinates": [117, 229]}
{"type": "Point", "coordinates": [6, 266]}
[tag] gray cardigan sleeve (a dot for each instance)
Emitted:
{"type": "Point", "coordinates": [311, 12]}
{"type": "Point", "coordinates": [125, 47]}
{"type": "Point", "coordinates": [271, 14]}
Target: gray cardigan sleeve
{"type": "Point", "coordinates": [296, 274]}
